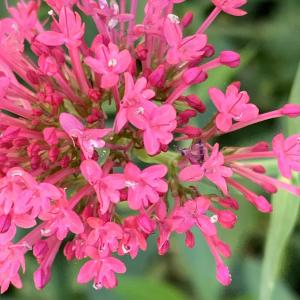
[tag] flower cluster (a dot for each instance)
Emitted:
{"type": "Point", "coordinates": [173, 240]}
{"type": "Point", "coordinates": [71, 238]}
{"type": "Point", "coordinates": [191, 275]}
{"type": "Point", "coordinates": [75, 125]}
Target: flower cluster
{"type": "Point", "coordinates": [77, 120]}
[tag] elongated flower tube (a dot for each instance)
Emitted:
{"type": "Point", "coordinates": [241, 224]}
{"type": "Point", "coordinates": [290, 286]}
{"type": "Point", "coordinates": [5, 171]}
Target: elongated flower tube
{"type": "Point", "coordinates": [78, 120]}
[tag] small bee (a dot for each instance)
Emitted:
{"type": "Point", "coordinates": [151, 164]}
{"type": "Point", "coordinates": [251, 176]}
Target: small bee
{"type": "Point", "coordinates": [196, 153]}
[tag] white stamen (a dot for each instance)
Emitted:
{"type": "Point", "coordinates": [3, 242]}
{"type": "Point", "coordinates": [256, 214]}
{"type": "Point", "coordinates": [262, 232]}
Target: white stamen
{"type": "Point", "coordinates": [112, 23]}
{"type": "Point", "coordinates": [112, 62]}
{"type": "Point", "coordinates": [15, 26]}
{"type": "Point", "coordinates": [214, 219]}
{"type": "Point", "coordinates": [51, 12]}
{"type": "Point", "coordinates": [103, 4]}
{"type": "Point", "coordinates": [173, 18]}
{"type": "Point", "coordinates": [45, 231]}
{"type": "Point", "coordinates": [125, 249]}
{"type": "Point", "coordinates": [17, 173]}
{"type": "Point", "coordinates": [130, 184]}
{"type": "Point", "coordinates": [97, 285]}
{"type": "Point", "coordinates": [140, 110]}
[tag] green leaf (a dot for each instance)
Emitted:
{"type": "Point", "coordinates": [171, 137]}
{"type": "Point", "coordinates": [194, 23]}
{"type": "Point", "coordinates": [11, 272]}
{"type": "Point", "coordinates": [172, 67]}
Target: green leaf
{"type": "Point", "coordinates": [136, 288]}
{"type": "Point", "coordinates": [283, 219]}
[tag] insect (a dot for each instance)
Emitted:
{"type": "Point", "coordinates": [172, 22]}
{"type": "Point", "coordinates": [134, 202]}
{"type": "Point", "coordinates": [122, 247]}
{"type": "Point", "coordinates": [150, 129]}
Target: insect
{"type": "Point", "coordinates": [196, 153]}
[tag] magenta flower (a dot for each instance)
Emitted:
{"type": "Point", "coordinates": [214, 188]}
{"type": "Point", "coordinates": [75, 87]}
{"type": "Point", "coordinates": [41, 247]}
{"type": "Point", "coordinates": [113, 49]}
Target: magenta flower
{"type": "Point", "coordinates": [88, 139]}
{"type": "Point", "coordinates": [134, 96]}
{"type": "Point", "coordinates": [101, 270]}
{"type": "Point", "coordinates": [69, 30]}
{"type": "Point", "coordinates": [107, 187]}
{"type": "Point", "coordinates": [233, 105]}
{"type": "Point", "coordinates": [144, 186]}
{"type": "Point", "coordinates": [110, 63]}
{"type": "Point", "coordinates": [156, 123]}
{"type": "Point", "coordinates": [231, 7]}
{"type": "Point", "coordinates": [182, 49]}
{"type": "Point", "coordinates": [55, 105]}
{"type": "Point", "coordinates": [213, 169]}
{"type": "Point", "coordinates": [287, 152]}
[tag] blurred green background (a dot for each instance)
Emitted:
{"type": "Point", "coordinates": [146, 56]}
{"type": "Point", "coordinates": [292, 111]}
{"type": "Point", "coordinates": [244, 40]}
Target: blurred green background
{"type": "Point", "coordinates": [268, 40]}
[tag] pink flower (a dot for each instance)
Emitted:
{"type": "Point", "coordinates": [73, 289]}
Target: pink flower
{"type": "Point", "coordinates": [107, 187]}
{"type": "Point", "coordinates": [70, 30]}
{"type": "Point", "coordinates": [287, 152]}
{"type": "Point", "coordinates": [11, 260]}
{"type": "Point", "coordinates": [157, 124]}
{"type": "Point", "coordinates": [110, 63]}
{"type": "Point", "coordinates": [61, 219]}
{"type": "Point", "coordinates": [104, 235]}
{"type": "Point", "coordinates": [182, 49]}
{"type": "Point", "coordinates": [193, 213]}
{"type": "Point", "coordinates": [88, 139]}
{"type": "Point", "coordinates": [231, 6]}
{"type": "Point", "coordinates": [134, 96]}
{"type": "Point", "coordinates": [213, 169]}
{"type": "Point", "coordinates": [101, 270]}
{"type": "Point", "coordinates": [133, 239]}
{"type": "Point", "coordinates": [144, 187]}
{"type": "Point", "coordinates": [232, 106]}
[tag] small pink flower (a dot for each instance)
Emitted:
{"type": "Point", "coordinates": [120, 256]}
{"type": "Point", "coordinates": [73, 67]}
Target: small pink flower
{"type": "Point", "coordinates": [182, 49]}
{"type": "Point", "coordinates": [223, 275]}
{"type": "Point", "coordinates": [88, 139]}
{"type": "Point", "coordinates": [144, 186]}
{"type": "Point", "coordinates": [157, 124]}
{"type": "Point", "coordinates": [193, 213]}
{"type": "Point", "coordinates": [107, 187]}
{"type": "Point", "coordinates": [134, 96]}
{"type": "Point", "coordinates": [104, 235]}
{"type": "Point", "coordinates": [61, 219]}
{"type": "Point", "coordinates": [70, 30]}
{"type": "Point", "coordinates": [232, 106]}
{"type": "Point", "coordinates": [231, 6]}
{"type": "Point", "coordinates": [288, 153]}
{"type": "Point", "coordinates": [110, 63]}
{"type": "Point", "coordinates": [101, 270]}
{"type": "Point", "coordinates": [133, 239]}
{"type": "Point", "coordinates": [11, 260]}
{"type": "Point", "coordinates": [213, 169]}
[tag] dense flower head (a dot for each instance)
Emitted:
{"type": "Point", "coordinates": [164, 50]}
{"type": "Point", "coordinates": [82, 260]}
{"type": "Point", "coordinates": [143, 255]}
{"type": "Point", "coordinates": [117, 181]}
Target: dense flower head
{"type": "Point", "coordinates": [86, 128]}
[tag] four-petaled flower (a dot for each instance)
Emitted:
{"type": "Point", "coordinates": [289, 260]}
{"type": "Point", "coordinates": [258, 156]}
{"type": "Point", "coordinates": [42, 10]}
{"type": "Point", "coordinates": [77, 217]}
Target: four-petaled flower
{"type": "Point", "coordinates": [231, 7]}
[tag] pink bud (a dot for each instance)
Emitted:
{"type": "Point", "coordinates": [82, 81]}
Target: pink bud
{"type": "Point", "coordinates": [209, 50]}
{"type": "Point", "coordinates": [141, 52]}
{"type": "Point", "coordinates": [5, 223]}
{"type": "Point", "coordinates": [41, 277]}
{"type": "Point", "coordinates": [157, 77]}
{"type": "Point", "coordinates": [269, 188]}
{"type": "Point", "coordinates": [94, 94]}
{"type": "Point", "coordinates": [195, 102]}
{"type": "Point", "coordinates": [48, 65]}
{"type": "Point", "coordinates": [187, 19]}
{"type": "Point", "coordinates": [65, 162]}
{"type": "Point", "coordinates": [185, 116]}
{"type": "Point", "coordinates": [190, 131]}
{"type": "Point", "coordinates": [146, 224]}
{"type": "Point", "coordinates": [194, 76]}
{"type": "Point", "coordinates": [262, 204]}
{"type": "Point", "coordinates": [230, 59]}
{"type": "Point", "coordinates": [227, 218]}
{"type": "Point", "coordinates": [40, 249]}
{"type": "Point", "coordinates": [223, 248]}
{"type": "Point", "coordinates": [50, 136]}
{"type": "Point", "coordinates": [291, 110]}
{"type": "Point", "coordinates": [69, 250]}
{"type": "Point", "coordinates": [189, 239]}
{"type": "Point", "coordinates": [163, 248]}
{"type": "Point", "coordinates": [261, 146]}
{"type": "Point", "coordinates": [258, 169]}
{"type": "Point", "coordinates": [223, 274]}
{"type": "Point", "coordinates": [53, 153]}
{"type": "Point", "coordinates": [229, 203]}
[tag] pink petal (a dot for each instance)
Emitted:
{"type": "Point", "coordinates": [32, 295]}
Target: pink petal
{"type": "Point", "coordinates": [191, 173]}
{"type": "Point", "coordinates": [109, 80]}
{"type": "Point", "coordinates": [151, 143]}
{"type": "Point", "coordinates": [70, 124]}
{"type": "Point", "coordinates": [51, 38]}
{"type": "Point", "coordinates": [87, 272]}
{"type": "Point", "coordinates": [91, 171]}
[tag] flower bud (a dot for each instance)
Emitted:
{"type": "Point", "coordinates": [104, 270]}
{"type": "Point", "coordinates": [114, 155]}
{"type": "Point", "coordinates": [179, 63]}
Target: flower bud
{"type": "Point", "coordinates": [146, 224]}
{"type": "Point", "coordinates": [41, 277]}
{"type": "Point", "coordinates": [189, 239]}
{"type": "Point", "coordinates": [230, 59]}
{"type": "Point", "coordinates": [187, 19]}
{"type": "Point", "coordinates": [291, 110]}
{"type": "Point", "coordinates": [194, 76]}
{"type": "Point", "coordinates": [158, 76]}
{"type": "Point", "coordinates": [223, 274]}
{"type": "Point", "coordinates": [195, 102]}
{"type": "Point", "coordinates": [227, 218]}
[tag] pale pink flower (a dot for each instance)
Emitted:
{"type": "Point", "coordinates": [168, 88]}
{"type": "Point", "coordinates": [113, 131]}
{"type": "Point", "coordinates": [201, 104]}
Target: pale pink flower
{"type": "Point", "coordinates": [233, 105]}
{"type": "Point", "coordinates": [88, 139]}
{"type": "Point", "coordinates": [110, 62]}
{"type": "Point", "coordinates": [144, 186]}
{"type": "Point", "coordinates": [287, 152]}
{"type": "Point", "coordinates": [107, 187]}
{"type": "Point", "coordinates": [213, 169]}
